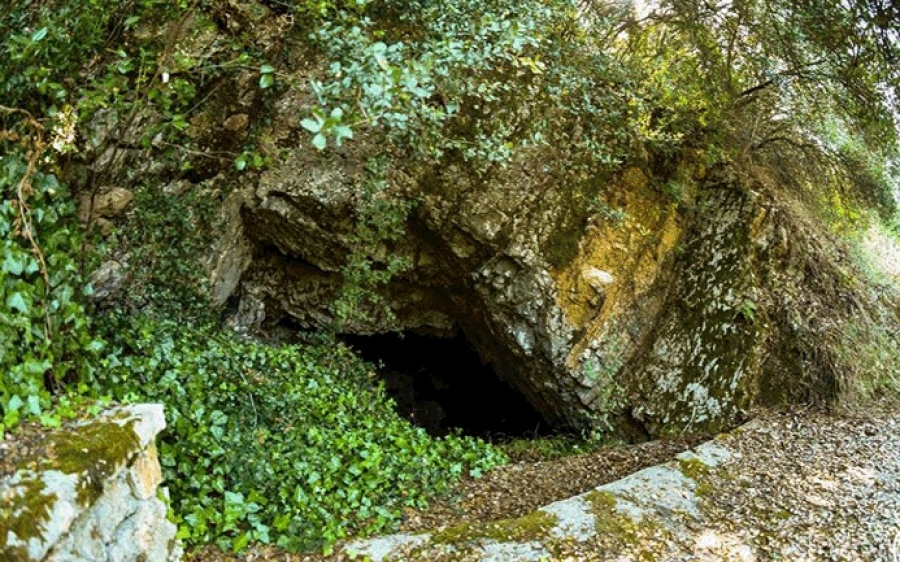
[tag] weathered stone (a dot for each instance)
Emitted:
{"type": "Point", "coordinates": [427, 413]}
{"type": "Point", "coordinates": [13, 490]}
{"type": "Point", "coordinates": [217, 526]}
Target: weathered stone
{"type": "Point", "coordinates": [237, 122]}
{"type": "Point", "coordinates": [109, 203]}
{"type": "Point", "coordinates": [177, 187]}
{"type": "Point", "coordinates": [663, 499]}
{"type": "Point", "coordinates": [232, 253]}
{"type": "Point", "coordinates": [104, 226]}
{"type": "Point", "coordinates": [107, 280]}
{"type": "Point", "coordinates": [145, 474]}
{"type": "Point", "coordinates": [59, 512]}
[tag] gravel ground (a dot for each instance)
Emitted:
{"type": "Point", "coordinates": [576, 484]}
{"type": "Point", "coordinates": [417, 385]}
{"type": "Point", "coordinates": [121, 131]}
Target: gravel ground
{"type": "Point", "coordinates": [813, 487]}
{"type": "Point", "coordinates": [806, 487]}
{"type": "Point", "coordinates": [22, 448]}
{"type": "Point", "coordinates": [801, 486]}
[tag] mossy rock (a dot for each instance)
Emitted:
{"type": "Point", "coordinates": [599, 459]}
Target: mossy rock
{"type": "Point", "coordinates": [85, 456]}
{"type": "Point", "coordinates": [530, 527]}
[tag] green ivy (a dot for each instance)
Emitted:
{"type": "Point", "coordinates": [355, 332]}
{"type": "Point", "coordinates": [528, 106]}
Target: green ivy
{"type": "Point", "coordinates": [45, 332]}
{"type": "Point", "coordinates": [291, 445]}
{"type": "Point", "coordinates": [165, 234]}
{"type": "Point", "coordinates": [380, 222]}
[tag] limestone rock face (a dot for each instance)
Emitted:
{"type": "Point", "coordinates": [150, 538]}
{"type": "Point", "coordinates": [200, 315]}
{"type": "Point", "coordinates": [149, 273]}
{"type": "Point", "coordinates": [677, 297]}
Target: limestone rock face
{"type": "Point", "coordinates": [624, 308]}
{"type": "Point", "coordinates": [94, 497]}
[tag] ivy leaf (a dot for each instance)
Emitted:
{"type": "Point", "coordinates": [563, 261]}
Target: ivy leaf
{"type": "Point", "coordinates": [13, 264]}
{"type": "Point", "coordinates": [241, 542]}
{"type": "Point", "coordinates": [33, 405]}
{"type": "Point", "coordinates": [14, 404]}
{"type": "Point", "coordinates": [342, 132]}
{"type": "Point", "coordinates": [17, 302]}
{"type": "Point", "coordinates": [48, 420]}
{"type": "Point", "coordinates": [266, 81]}
{"type": "Point", "coordinates": [312, 125]}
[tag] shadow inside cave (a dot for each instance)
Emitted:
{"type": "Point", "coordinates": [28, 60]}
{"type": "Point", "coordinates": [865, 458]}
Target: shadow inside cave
{"type": "Point", "coordinates": [441, 384]}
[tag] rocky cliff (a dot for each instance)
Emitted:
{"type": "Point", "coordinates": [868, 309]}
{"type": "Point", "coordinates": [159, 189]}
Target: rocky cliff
{"type": "Point", "coordinates": [664, 295]}
{"type": "Point", "coordinates": [641, 309]}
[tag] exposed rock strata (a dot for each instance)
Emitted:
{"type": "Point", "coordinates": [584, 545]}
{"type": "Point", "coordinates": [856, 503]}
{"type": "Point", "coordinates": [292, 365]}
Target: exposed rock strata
{"type": "Point", "coordinates": [664, 297]}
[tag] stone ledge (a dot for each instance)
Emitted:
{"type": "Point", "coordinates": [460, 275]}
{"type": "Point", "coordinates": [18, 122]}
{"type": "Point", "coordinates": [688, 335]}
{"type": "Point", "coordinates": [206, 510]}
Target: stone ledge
{"type": "Point", "coordinates": [93, 496]}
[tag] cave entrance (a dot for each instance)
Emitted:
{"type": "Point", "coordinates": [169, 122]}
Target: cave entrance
{"type": "Point", "coordinates": [441, 384]}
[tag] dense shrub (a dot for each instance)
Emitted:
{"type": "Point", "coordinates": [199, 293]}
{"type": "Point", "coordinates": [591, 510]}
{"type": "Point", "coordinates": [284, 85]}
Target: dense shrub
{"type": "Point", "coordinates": [474, 80]}
{"type": "Point", "coordinates": [293, 444]}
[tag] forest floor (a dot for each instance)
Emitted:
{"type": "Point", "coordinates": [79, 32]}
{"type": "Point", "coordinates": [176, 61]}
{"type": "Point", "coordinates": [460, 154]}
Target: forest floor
{"type": "Point", "coordinates": [802, 485]}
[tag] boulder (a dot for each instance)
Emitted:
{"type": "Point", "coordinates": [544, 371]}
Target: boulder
{"type": "Point", "coordinates": [92, 494]}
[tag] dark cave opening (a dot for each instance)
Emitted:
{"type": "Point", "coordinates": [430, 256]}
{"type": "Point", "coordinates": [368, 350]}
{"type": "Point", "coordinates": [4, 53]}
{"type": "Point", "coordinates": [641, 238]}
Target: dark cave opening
{"type": "Point", "coordinates": [442, 384]}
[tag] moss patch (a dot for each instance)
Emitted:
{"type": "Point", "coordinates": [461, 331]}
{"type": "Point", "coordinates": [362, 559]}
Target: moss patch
{"type": "Point", "coordinates": [693, 468]}
{"type": "Point", "coordinates": [619, 527]}
{"type": "Point", "coordinates": [699, 472]}
{"type": "Point", "coordinates": [23, 514]}
{"type": "Point", "coordinates": [94, 452]}
{"type": "Point", "coordinates": [530, 527]}
{"type": "Point", "coordinates": [608, 520]}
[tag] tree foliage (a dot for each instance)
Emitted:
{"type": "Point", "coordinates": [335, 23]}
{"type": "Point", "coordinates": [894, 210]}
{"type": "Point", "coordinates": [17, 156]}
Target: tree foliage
{"type": "Point", "coordinates": [808, 59]}
{"type": "Point", "coordinates": [474, 80]}
{"type": "Point", "coordinates": [805, 89]}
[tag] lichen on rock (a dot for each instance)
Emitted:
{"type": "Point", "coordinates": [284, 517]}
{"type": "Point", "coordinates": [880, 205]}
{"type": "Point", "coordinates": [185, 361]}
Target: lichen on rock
{"type": "Point", "coordinates": [92, 493]}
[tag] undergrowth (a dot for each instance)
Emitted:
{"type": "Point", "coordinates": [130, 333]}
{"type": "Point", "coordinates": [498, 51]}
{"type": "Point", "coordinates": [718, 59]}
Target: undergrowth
{"type": "Point", "coordinates": [289, 445]}
{"type": "Point", "coordinates": [549, 448]}
{"type": "Point", "coordinates": [292, 445]}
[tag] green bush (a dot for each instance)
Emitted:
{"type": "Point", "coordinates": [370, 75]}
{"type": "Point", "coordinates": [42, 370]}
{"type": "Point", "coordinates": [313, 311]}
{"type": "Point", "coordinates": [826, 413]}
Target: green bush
{"type": "Point", "coordinates": [164, 235]}
{"type": "Point", "coordinates": [293, 445]}
{"type": "Point", "coordinates": [45, 46]}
